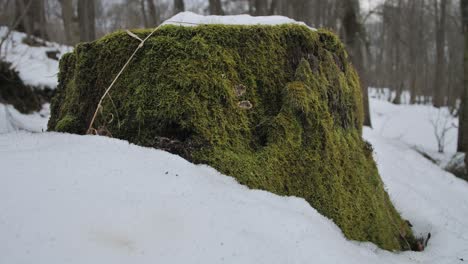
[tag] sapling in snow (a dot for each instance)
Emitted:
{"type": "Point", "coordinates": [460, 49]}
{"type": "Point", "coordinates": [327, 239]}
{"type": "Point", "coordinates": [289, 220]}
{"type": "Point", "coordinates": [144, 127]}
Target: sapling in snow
{"type": "Point", "coordinates": [441, 122]}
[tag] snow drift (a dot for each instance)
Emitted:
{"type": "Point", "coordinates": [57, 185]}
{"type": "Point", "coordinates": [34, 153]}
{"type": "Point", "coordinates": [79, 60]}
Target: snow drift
{"type": "Point", "coordinates": [83, 199]}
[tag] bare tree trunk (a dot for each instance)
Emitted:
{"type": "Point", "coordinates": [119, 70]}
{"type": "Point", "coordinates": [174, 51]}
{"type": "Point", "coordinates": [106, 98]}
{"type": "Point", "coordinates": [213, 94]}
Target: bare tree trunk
{"type": "Point", "coordinates": [41, 24]}
{"type": "Point", "coordinates": [318, 13]}
{"type": "Point", "coordinates": [382, 48]}
{"type": "Point", "coordinates": [143, 13]}
{"type": "Point", "coordinates": [86, 19]}
{"type": "Point", "coordinates": [261, 7]}
{"type": "Point", "coordinates": [413, 88]}
{"type": "Point", "coordinates": [34, 22]}
{"type": "Point", "coordinates": [153, 14]}
{"type": "Point", "coordinates": [179, 6]}
{"type": "Point", "coordinates": [67, 18]}
{"type": "Point", "coordinates": [282, 7]}
{"type": "Point", "coordinates": [273, 7]}
{"type": "Point", "coordinates": [463, 119]}
{"type": "Point", "coordinates": [397, 69]}
{"type": "Point", "coordinates": [215, 7]}
{"type": "Point", "coordinates": [413, 50]}
{"type": "Point", "coordinates": [13, 25]}
{"type": "Point", "coordinates": [24, 25]}
{"type": "Point", "coordinates": [398, 92]}
{"type": "Point", "coordinates": [438, 97]}
{"type": "Point", "coordinates": [353, 39]}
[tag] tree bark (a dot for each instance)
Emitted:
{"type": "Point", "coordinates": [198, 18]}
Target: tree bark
{"type": "Point", "coordinates": [67, 18]}
{"type": "Point", "coordinates": [143, 13]}
{"type": "Point", "coordinates": [417, 50]}
{"type": "Point", "coordinates": [34, 22]}
{"type": "Point", "coordinates": [463, 118]}
{"type": "Point", "coordinates": [179, 6]}
{"type": "Point", "coordinates": [318, 13]}
{"type": "Point", "coordinates": [215, 7]}
{"type": "Point", "coordinates": [273, 7]}
{"type": "Point", "coordinates": [353, 31]}
{"type": "Point", "coordinates": [438, 98]}
{"type": "Point", "coordinates": [261, 7]}
{"type": "Point", "coordinates": [24, 25]}
{"type": "Point", "coordinates": [86, 20]}
{"type": "Point", "coordinates": [153, 14]}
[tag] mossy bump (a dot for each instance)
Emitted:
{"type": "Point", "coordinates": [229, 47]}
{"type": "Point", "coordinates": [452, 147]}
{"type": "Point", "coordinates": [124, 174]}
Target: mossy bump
{"type": "Point", "coordinates": [183, 92]}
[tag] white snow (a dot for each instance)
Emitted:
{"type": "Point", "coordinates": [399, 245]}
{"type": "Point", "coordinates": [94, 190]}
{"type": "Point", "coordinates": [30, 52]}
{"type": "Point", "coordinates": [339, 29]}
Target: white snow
{"type": "Point", "coordinates": [32, 63]}
{"type": "Point", "coordinates": [11, 120]}
{"type": "Point", "coordinates": [415, 125]}
{"type": "Point", "coordinates": [192, 19]}
{"type": "Point", "coordinates": [432, 199]}
{"type": "Point", "coordinates": [85, 199]}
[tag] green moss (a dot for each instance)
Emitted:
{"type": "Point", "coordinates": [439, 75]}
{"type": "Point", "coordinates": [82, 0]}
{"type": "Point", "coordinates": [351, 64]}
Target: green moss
{"type": "Point", "coordinates": [302, 136]}
{"type": "Point", "coordinates": [68, 123]}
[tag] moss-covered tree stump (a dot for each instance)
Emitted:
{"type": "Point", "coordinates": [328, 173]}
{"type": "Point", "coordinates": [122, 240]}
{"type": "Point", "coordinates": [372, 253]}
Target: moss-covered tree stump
{"type": "Point", "coordinates": [276, 107]}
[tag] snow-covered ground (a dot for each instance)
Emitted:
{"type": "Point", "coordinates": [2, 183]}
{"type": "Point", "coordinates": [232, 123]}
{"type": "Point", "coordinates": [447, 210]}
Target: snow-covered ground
{"type": "Point", "coordinates": [11, 120]}
{"type": "Point", "coordinates": [32, 63]}
{"type": "Point", "coordinates": [88, 199]}
{"type": "Point", "coordinates": [415, 125]}
{"type": "Point", "coordinates": [115, 202]}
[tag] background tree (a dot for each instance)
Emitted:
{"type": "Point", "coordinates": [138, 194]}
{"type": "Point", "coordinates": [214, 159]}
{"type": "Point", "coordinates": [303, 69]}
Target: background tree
{"type": "Point", "coordinates": [86, 18]}
{"type": "Point", "coordinates": [179, 6]}
{"type": "Point", "coordinates": [34, 21]}
{"type": "Point", "coordinates": [215, 7]}
{"type": "Point", "coordinates": [260, 7]}
{"type": "Point", "coordinates": [440, 17]}
{"type": "Point", "coordinates": [354, 37]}
{"type": "Point", "coordinates": [463, 124]}
{"type": "Point", "coordinates": [154, 16]}
{"type": "Point", "coordinates": [67, 19]}
{"type": "Point", "coordinates": [143, 13]}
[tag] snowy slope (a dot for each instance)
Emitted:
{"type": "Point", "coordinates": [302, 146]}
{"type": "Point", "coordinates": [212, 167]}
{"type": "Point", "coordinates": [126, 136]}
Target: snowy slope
{"type": "Point", "coordinates": [32, 63]}
{"type": "Point", "coordinates": [11, 120]}
{"type": "Point", "coordinates": [432, 199]}
{"type": "Point", "coordinates": [416, 126]}
{"type": "Point", "coordinates": [99, 200]}
{"type": "Point", "coordinates": [413, 124]}
{"type": "Point", "coordinates": [88, 199]}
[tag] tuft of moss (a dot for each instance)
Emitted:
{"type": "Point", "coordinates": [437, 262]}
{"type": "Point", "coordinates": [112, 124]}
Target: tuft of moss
{"type": "Point", "coordinates": [300, 134]}
{"type": "Point", "coordinates": [68, 123]}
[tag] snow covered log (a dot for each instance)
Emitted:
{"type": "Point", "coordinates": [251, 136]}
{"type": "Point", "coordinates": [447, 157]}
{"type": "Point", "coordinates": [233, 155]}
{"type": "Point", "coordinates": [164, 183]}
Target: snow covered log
{"type": "Point", "coordinates": [277, 107]}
